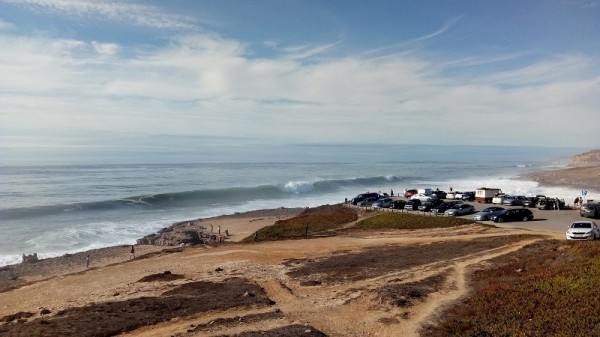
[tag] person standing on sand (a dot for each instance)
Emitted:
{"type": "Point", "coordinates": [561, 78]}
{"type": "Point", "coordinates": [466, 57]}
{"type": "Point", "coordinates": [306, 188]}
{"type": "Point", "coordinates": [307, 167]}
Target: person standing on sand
{"type": "Point", "coordinates": [87, 261]}
{"type": "Point", "coordinates": [133, 252]}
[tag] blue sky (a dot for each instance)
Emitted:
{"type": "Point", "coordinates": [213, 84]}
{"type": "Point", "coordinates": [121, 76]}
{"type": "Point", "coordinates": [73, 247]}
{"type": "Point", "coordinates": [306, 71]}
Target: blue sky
{"type": "Point", "coordinates": [84, 75]}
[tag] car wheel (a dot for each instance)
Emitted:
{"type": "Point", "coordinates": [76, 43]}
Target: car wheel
{"type": "Point", "coordinates": [500, 220]}
{"type": "Point", "coordinates": [525, 219]}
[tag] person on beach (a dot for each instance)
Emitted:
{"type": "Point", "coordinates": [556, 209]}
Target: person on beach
{"type": "Point", "coordinates": [133, 252]}
{"type": "Point", "coordinates": [392, 192]}
{"type": "Point", "coordinates": [87, 261]}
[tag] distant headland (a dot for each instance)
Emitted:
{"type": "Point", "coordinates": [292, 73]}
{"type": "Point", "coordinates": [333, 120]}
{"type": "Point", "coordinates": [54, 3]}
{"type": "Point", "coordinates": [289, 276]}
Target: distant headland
{"type": "Point", "coordinates": [584, 172]}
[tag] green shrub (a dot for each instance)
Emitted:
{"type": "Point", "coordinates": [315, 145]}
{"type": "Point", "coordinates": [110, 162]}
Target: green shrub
{"type": "Point", "coordinates": [410, 221]}
{"type": "Point", "coordinates": [317, 220]}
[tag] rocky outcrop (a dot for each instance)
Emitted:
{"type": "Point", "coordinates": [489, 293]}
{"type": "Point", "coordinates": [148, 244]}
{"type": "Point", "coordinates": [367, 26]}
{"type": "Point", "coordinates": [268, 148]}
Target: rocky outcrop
{"type": "Point", "coordinates": [586, 159]}
{"type": "Point", "coordinates": [584, 173]}
{"type": "Point", "coordinates": [187, 233]}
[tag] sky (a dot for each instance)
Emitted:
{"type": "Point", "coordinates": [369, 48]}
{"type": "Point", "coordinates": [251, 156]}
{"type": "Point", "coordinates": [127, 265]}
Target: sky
{"type": "Point", "coordinates": [94, 77]}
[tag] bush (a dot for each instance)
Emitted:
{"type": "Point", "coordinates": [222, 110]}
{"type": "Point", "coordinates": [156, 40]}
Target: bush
{"type": "Point", "coordinates": [410, 221]}
{"type": "Point", "coordinates": [318, 220]}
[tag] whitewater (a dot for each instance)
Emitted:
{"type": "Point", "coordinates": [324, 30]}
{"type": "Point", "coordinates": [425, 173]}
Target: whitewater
{"type": "Point", "coordinates": [59, 209]}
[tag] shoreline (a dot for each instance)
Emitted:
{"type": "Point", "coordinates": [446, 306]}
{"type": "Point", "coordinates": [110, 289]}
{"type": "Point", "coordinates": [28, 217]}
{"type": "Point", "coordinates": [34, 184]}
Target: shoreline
{"type": "Point", "coordinates": [240, 225]}
{"type": "Point", "coordinates": [582, 178]}
{"type": "Point", "coordinates": [233, 228]}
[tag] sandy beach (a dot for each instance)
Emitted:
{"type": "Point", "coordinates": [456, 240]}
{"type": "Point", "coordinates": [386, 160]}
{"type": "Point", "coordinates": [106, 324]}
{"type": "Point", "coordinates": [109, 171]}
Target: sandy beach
{"type": "Point", "coordinates": [352, 283]}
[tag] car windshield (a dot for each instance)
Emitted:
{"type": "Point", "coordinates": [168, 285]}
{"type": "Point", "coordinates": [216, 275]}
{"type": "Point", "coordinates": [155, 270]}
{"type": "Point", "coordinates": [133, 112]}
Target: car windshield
{"type": "Point", "coordinates": [581, 225]}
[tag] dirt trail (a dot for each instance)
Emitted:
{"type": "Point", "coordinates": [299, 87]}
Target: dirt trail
{"type": "Point", "coordinates": [353, 304]}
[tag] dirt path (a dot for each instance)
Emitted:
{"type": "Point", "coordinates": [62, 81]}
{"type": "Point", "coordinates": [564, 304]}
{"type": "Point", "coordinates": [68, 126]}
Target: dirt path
{"type": "Point", "coordinates": [299, 276]}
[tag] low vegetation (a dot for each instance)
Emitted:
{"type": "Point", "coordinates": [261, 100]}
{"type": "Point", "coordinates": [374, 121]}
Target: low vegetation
{"type": "Point", "coordinates": [410, 221]}
{"type": "Point", "coordinates": [549, 288]}
{"type": "Point", "coordinates": [313, 221]}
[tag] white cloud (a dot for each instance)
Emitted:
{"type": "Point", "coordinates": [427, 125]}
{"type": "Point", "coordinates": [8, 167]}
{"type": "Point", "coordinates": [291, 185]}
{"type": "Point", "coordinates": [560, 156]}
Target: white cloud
{"type": "Point", "coordinates": [5, 25]}
{"type": "Point", "coordinates": [106, 49]}
{"type": "Point", "coordinates": [205, 85]}
{"type": "Point", "coordinates": [142, 15]}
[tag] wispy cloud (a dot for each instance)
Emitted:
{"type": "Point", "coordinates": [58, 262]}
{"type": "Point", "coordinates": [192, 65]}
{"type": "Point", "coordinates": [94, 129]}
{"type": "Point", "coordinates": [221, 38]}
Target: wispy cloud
{"type": "Point", "coordinates": [307, 51]}
{"type": "Point", "coordinates": [559, 69]}
{"type": "Point", "coordinates": [445, 27]}
{"type": "Point", "coordinates": [137, 14]}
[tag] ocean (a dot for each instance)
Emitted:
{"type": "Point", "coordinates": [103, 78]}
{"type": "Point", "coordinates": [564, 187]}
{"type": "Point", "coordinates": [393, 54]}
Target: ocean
{"type": "Point", "coordinates": [58, 209]}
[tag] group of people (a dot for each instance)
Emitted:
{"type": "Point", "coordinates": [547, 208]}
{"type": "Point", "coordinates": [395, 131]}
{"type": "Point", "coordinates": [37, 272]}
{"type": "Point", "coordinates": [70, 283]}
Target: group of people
{"type": "Point", "coordinates": [578, 202]}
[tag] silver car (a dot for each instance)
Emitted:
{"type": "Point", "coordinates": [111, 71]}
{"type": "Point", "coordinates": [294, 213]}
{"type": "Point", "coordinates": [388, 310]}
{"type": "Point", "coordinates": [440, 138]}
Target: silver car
{"type": "Point", "coordinates": [583, 230]}
{"type": "Point", "coordinates": [460, 209]}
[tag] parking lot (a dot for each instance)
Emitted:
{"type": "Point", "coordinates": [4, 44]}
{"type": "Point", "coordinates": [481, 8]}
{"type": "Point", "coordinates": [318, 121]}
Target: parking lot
{"type": "Point", "coordinates": [555, 221]}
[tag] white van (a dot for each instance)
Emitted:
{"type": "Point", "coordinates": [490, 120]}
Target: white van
{"type": "Point", "coordinates": [425, 191]}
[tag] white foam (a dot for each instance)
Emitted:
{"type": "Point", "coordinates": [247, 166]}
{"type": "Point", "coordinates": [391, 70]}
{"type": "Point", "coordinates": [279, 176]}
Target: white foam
{"type": "Point", "coordinates": [298, 187]}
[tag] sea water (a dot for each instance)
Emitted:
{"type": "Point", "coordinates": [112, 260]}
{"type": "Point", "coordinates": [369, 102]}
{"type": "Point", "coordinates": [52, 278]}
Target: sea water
{"type": "Point", "coordinates": [58, 209]}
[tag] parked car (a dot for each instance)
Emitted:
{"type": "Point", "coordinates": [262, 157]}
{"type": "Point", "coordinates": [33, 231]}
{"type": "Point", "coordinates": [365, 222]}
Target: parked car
{"type": "Point", "coordinates": [368, 201]}
{"type": "Point", "coordinates": [487, 213]}
{"type": "Point", "coordinates": [412, 205]}
{"type": "Point", "coordinates": [468, 196]}
{"type": "Point", "coordinates": [428, 205]}
{"type": "Point", "coordinates": [590, 210]}
{"type": "Point", "coordinates": [513, 214]}
{"type": "Point", "coordinates": [550, 203]}
{"type": "Point", "coordinates": [399, 204]}
{"type": "Point", "coordinates": [460, 209]}
{"type": "Point", "coordinates": [439, 194]}
{"type": "Point", "coordinates": [383, 203]}
{"type": "Point", "coordinates": [530, 201]}
{"type": "Point", "coordinates": [452, 195]}
{"type": "Point", "coordinates": [357, 199]}
{"type": "Point", "coordinates": [499, 198]}
{"type": "Point", "coordinates": [514, 200]}
{"type": "Point", "coordinates": [410, 193]}
{"type": "Point", "coordinates": [583, 230]}
{"type": "Point", "coordinates": [441, 208]}
{"type": "Point", "coordinates": [422, 197]}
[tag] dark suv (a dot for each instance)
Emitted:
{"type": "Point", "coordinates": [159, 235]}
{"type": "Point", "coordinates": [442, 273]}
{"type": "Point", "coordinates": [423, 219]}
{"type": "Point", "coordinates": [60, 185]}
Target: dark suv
{"type": "Point", "coordinates": [550, 203]}
{"type": "Point", "coordinates": [428, 205]}
{"type": "Point", "coordinates": [412, 205]}
{"type": "Point", "coordinates": [361, 197]}
{"type": "Point", "coordinates": [590, 210]}
{"type": "Point", "coordinates": [468, 196]}
{"type": "Point", "coordinates": [513, 214]}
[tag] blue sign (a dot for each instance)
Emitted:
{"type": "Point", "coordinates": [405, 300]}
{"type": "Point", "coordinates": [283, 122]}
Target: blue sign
{"type": "Point", "coordinates": [583, 192]}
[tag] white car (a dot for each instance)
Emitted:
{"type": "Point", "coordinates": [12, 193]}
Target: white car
{"type": "Point", "coordinates": [422, 197]}
{"type": "Point", "coordinates": [583, 230]}
{"type": "Point", "coordinates": [499, 198]}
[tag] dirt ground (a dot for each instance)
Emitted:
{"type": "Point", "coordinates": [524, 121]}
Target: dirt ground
{"type": "Point", "coordinates": [367, 283]}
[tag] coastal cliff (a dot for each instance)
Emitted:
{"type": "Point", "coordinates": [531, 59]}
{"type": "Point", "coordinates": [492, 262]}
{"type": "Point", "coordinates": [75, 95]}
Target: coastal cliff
{"type": "Point", "coordinates": [590, 158]}
{"type": "Point", "coordinates": [584, 173]}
